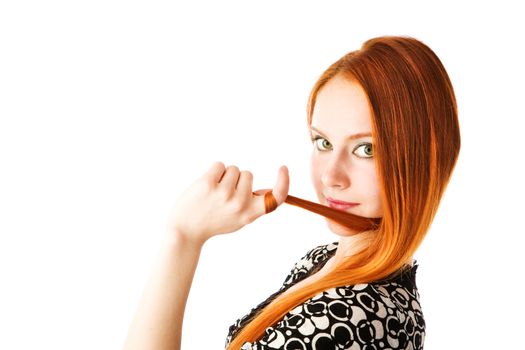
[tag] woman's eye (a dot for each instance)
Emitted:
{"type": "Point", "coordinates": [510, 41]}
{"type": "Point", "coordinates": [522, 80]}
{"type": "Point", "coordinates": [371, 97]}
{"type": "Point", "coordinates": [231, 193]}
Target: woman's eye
{"type": "Point", "coordinates": [364, 150]}
{"type": "Point", "coordinates": [324, 143]}
{"type": "Point", "coordinates": [367, 150]}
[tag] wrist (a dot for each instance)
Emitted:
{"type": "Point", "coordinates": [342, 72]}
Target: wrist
{"type": "Point", "coordinates": [180, 238]}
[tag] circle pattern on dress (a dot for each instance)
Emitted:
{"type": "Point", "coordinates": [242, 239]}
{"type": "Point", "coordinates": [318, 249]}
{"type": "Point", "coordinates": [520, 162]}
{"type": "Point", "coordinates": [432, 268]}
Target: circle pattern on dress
{"type": "Point", "coordinates": [380, 315]}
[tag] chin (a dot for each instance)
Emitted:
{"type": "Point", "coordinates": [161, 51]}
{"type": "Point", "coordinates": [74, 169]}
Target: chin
{"type": "Point", "coordinates": [340, 230]}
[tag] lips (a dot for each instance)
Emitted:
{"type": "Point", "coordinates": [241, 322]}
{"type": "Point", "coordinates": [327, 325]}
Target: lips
{"type": "Point", "coordinates": [334, 203]}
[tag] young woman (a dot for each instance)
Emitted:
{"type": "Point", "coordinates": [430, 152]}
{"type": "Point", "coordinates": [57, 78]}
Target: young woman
{"type": "Point", "coordinates": [385, 133]}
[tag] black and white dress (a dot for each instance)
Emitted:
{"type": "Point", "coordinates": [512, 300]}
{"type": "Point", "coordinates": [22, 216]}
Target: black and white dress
{"type": "Point", "coordinates": [381, 315]}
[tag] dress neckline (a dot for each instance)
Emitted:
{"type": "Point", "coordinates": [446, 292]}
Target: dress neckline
{"type": "Point", "coordinates": [407, 270]}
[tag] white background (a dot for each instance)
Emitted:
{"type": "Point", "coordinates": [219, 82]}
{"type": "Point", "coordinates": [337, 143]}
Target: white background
{"type": "Point", "coordinates": [109, 109]}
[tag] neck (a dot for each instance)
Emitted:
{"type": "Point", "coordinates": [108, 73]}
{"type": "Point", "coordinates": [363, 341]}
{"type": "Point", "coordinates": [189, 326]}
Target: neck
{"type": "Point", "coordinates": [348, 246]}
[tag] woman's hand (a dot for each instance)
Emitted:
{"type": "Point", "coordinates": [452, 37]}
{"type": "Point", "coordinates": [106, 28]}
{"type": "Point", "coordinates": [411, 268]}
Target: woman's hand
{"type": "Point", "coordinates": [221, 201]}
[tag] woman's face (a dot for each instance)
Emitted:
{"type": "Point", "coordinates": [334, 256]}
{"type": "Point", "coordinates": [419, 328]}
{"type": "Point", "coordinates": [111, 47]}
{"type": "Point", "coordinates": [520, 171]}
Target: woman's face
{"type": "Point", "coordinates": [343, 166]}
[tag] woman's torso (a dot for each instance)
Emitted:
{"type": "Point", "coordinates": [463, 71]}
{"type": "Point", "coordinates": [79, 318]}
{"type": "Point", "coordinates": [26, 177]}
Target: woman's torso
{"type": "Point", "coordinates": [384, 314]}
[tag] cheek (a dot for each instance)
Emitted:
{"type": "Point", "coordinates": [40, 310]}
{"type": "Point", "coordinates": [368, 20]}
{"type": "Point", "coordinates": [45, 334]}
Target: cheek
{"type": "Point", "coordinates": [373, 181]}
{"type": "Point", "coordinates": [374, 192]}
{"type": "Point", "coordinates": [372, 184]}
{"type": "Point", "coordinates": [365, 182]}
{"type": "Point", "coordinates": [315, 173]}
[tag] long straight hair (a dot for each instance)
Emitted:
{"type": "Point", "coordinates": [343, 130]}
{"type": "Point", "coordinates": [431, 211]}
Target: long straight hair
{"type": "Point", "coordinates": [416, 145]}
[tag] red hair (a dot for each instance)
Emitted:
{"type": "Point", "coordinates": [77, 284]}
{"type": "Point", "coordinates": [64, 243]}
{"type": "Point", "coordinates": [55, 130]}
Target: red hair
{"type": "Point", "coordinates": [416, 145]}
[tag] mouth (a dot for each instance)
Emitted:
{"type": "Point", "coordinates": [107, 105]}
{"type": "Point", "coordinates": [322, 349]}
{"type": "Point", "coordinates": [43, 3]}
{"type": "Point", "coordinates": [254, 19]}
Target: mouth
{"type": "Point", "coordinates": [337, 204]}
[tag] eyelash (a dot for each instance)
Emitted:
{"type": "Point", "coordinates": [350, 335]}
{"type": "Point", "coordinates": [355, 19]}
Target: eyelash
{"type": "Point", "coordinates": [314, 139]}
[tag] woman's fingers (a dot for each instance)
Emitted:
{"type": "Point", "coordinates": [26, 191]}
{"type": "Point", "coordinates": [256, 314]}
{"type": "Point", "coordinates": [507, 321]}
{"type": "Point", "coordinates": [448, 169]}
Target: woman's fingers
{"type": "Point", "coordinates": [215, 172]}
{"type": "Point", "coordinates": [244, 187]}
{"type": "Point", "coordinates": [224, 177]}
{"type": "Point", "coordinates": [228, 203]}
{"type": "Point", "coordinates": [279, 192]}
{"type": "Point", "coordinates": [229, 179]}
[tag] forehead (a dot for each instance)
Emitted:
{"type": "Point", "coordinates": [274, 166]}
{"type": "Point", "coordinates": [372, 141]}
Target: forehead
{"type": "Point", "coordinates": [342, 107]}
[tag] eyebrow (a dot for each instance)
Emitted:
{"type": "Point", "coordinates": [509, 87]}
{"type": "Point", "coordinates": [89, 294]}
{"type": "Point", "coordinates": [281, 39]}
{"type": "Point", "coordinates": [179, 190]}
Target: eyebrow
{"type": "Point", "coordinates": [351, 137]}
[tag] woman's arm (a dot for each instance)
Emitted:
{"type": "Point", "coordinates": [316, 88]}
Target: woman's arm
{"type": "Point", "coordinates": [221, 201]}
{"type": "Point", "coordinates": [158, 321]}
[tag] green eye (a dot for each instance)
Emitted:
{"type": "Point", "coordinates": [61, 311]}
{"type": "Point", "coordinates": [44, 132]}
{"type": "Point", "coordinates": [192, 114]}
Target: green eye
{"type": "Point", "coordinates": [367, 149]}
{"type": "Point", "coordinates": [315, 139]}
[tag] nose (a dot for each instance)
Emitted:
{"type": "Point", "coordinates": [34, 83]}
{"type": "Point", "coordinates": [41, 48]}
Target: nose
{"type": "Point", "coordinates": [335, 174]}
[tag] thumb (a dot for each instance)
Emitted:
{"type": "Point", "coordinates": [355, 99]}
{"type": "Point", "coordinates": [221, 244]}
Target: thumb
{"type": "Point", "coordinates": [279, 191]}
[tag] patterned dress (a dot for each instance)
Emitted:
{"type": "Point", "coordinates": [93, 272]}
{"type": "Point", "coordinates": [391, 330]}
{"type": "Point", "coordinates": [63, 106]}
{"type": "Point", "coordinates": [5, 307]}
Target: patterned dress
{"type": "Point", "coordinates": [381, 315]}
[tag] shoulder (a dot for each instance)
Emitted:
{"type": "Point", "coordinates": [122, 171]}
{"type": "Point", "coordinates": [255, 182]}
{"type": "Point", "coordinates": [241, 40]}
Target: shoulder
{"type": "Point", "coordinates": [309, 260]}
{"type": "Point", "coordinates": [301, 268]}
{"type": "Point", "coordinates": [317, 254]}
{"type": "Point", "coordinates": [386, 314]}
